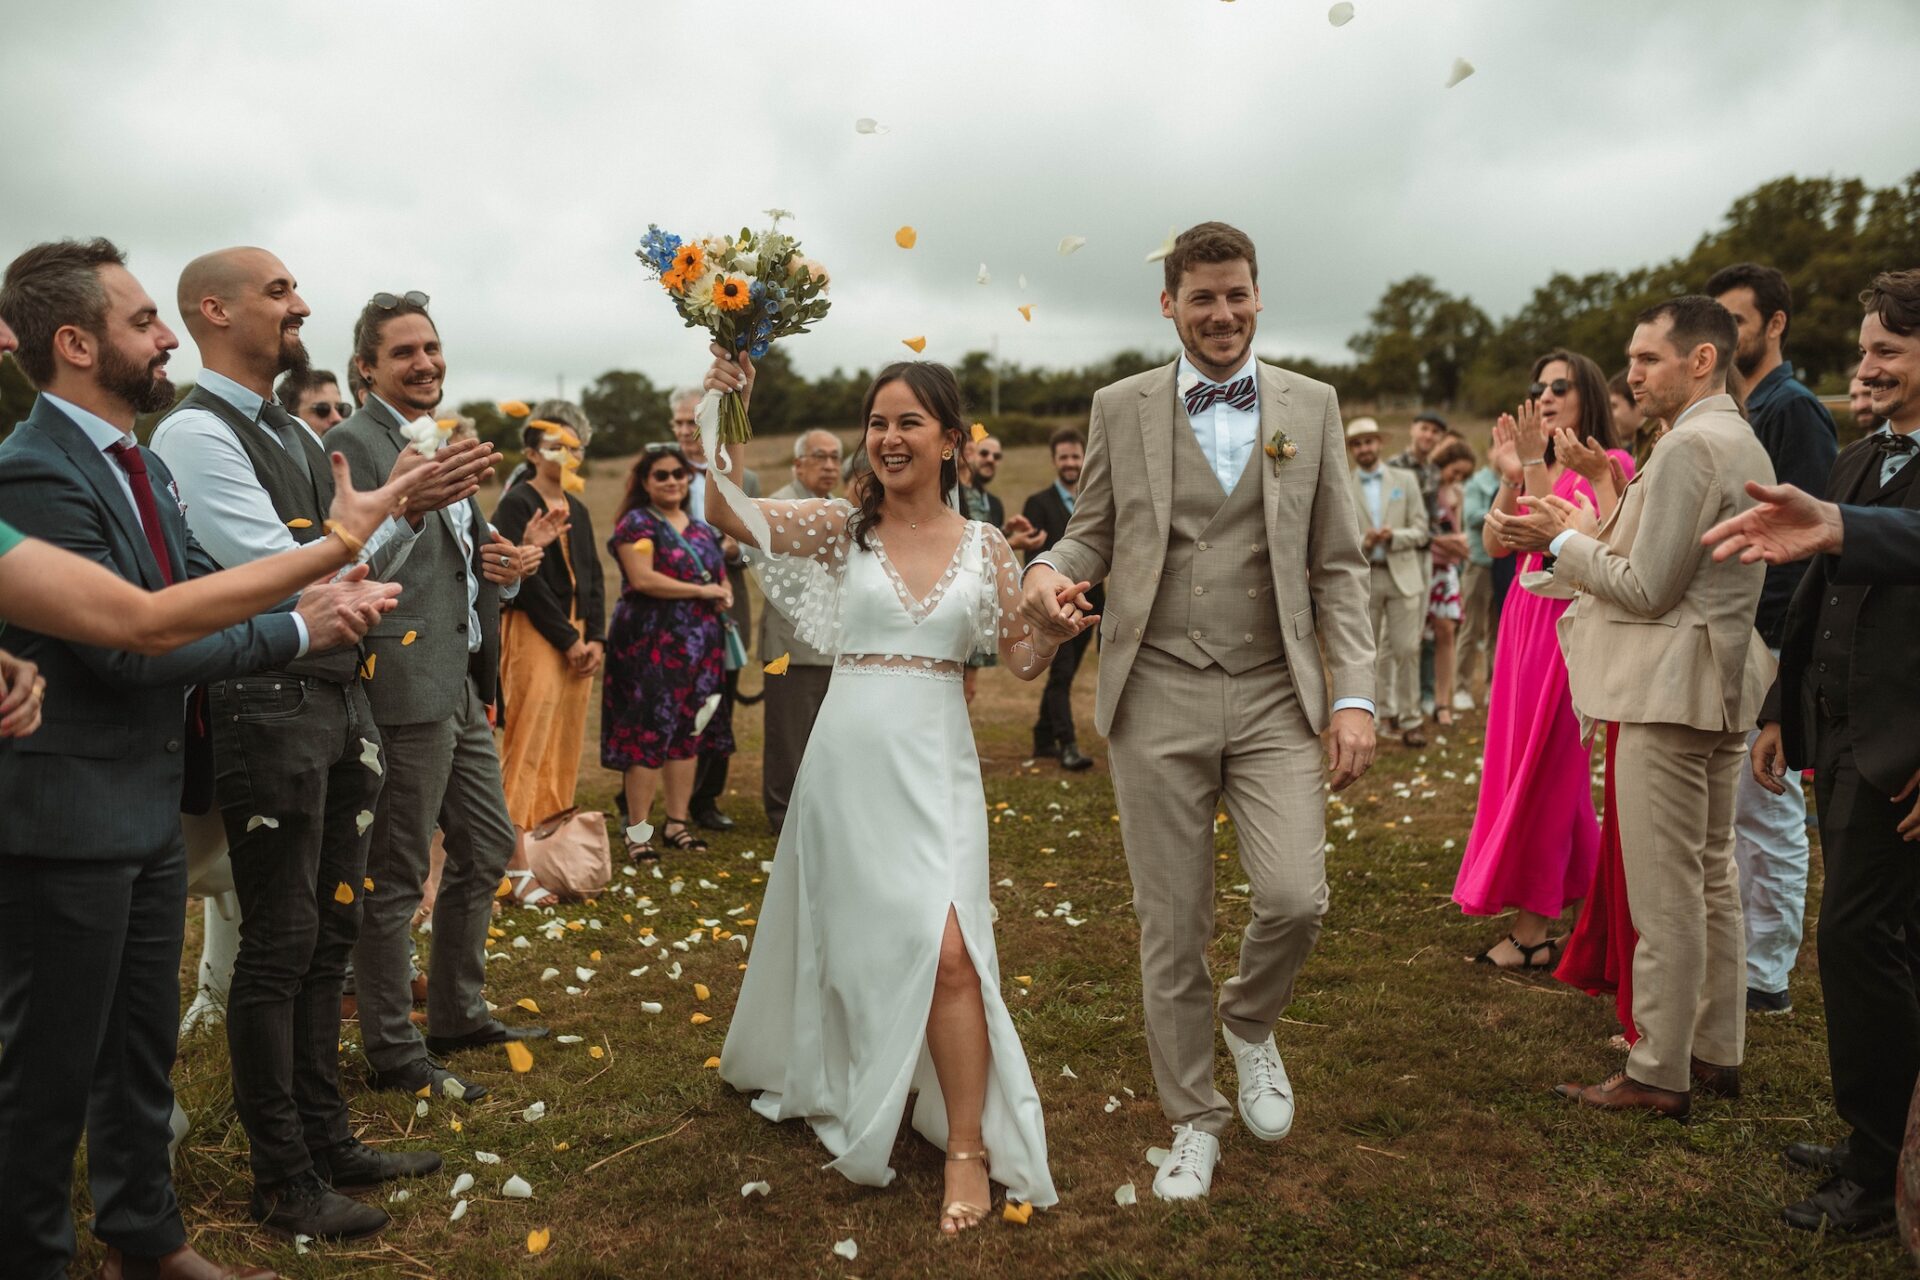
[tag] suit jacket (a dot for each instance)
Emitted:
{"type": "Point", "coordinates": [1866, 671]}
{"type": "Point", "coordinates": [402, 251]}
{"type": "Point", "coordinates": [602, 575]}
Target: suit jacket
{"type": "Point", "coordinates": [101, 777]}
{"type": "Point", "coordinates": [1123, 514]}
{"type": "Point", "coordinates": [1882, 545]}
{"type": "Point", "coordinates": [1661, 633]}
{"type": "Point", "coordinates": [777, 635]}
{"type": "Point", "coordinates": [1047, 512]}
{"type": "Point", "coordinates": [417, 682]}
{"type": "Point", "coordinates": [552, 595]}
{"type": "Point", "coordinates": [1882, 679]}
{"type": "Point", "coordinates": [1403, 509]}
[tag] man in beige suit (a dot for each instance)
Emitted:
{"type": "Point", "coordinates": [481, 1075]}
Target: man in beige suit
{"type": "Point", "coordinates": [1661, 641]}
{"type": "Point", "coordinates": [1394, 534]}
{"type": "Point", "coordinates": [1215, 506]}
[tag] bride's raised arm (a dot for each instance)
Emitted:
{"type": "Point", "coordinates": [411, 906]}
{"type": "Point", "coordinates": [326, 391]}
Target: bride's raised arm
{"type": "Point", "coordinates": [811, 528]}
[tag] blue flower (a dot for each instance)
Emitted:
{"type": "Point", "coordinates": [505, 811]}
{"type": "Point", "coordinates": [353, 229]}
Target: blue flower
{"type": "Point", "coordinates": [657, 248]}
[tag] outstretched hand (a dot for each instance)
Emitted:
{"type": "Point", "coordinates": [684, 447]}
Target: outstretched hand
{"type": "Point", "coordinates": [359, 513]}
{"type": "Point", "coordinates": [1788, 525]}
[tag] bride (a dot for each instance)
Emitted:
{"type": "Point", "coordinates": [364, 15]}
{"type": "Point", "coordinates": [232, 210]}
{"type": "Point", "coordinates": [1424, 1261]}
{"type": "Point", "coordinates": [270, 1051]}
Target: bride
{"type": "Point", "coordinates": [874, 972]}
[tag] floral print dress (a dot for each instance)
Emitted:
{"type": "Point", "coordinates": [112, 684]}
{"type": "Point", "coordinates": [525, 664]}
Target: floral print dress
{"type": "Point", "coordinates": [665, 658]}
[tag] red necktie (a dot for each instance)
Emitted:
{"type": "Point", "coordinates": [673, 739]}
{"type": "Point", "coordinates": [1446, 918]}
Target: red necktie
{"type": "Point", "coordinates": [128, 456]}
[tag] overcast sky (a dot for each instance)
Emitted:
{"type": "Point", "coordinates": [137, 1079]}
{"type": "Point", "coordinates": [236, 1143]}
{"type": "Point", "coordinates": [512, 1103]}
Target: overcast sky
{"type": "Point", "coordinates": [506, 157]}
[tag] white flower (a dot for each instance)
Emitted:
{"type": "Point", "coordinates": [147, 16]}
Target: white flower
{"type": "Point", "coordinates": [746, 262]}
{"type": "Point", "coordinates": [425, 435]}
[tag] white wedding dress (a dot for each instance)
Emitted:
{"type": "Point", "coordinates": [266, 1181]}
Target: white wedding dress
{"type": "Point", "coordinates": [887, 829]}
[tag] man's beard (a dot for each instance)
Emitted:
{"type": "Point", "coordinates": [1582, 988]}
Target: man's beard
{"type": "Point", "coordinates": [294, 359]}
{"type": "Point", "coordinates": [144, 387]}
{"type": "Point", "coordinates": [1070, 477]}
{"type": "Point", "coordinates": [1747, 360]}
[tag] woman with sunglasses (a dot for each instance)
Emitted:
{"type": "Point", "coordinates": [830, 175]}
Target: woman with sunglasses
{"type": "Point", "coordinates": [661, 704]}
{"type": "Point", "coordinates": [1535, 840]}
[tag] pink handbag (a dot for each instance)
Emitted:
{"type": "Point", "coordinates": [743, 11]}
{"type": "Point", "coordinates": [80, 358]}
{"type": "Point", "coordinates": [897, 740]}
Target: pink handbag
{"type": "Point", "coordinates": [570, 855]}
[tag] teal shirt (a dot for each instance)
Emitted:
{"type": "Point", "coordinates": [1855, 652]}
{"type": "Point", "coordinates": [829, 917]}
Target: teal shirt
{"type": "Point", "coordinates": [10, 537]}
{"type": "Point", "coordinates": [1482, 488]}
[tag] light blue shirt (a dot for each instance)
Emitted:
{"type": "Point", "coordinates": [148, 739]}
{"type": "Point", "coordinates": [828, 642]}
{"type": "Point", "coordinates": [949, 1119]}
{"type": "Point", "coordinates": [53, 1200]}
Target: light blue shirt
{"type": "Point", "coordinates": [1891, 464]}
{"type": "Point", "coordinates": [1475, 502]}
{"type": "Point", "coordinates": [1066, 495]}
{"type": "Point", "coordinates": [104, 436]}
{"type": "Point", "coordinates": [1226, 435]}
{"type": "Point", "coordinates": [1374, 490]}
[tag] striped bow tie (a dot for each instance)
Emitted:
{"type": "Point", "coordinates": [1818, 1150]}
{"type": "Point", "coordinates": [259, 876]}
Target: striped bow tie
{"type": "Point", "coordinates": [1202, 396]}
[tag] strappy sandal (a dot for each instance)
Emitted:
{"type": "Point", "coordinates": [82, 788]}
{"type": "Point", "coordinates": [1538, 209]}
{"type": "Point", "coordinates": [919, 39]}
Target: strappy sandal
{"type": "Point", "coordinates": [1551, 946]}
{"type": "Point", "coordinates": [964, 1215]}
{"type": "Point", "coordinates": [682, 841]}
{"type": "Point", "coordinates": [527, 891]}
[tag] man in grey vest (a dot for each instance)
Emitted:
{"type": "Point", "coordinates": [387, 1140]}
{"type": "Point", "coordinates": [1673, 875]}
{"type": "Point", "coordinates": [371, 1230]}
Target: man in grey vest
{"type": "Point", "coordinates": [433, 672]}
{"type": "Point", "coordinates": [289, 748]}
{"type": "Point", "coordinates": [1215, 505]}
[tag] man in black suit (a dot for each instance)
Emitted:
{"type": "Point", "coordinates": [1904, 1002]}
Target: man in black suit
{"type": "Point", "coordinates": [1845, 703]}
{"type": "Point", "coordinates": [92, 865]}
{"type": "Point", "coordinates": [1042, 523]}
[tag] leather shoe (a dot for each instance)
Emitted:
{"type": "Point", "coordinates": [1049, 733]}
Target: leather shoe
{"type": "Point", "coordinates": [1621, 1092]}
{"type": "Point", "coordinates": [713, 820]}
{"type": "Point", "coordinates": [1847, 1209]}
{"type": "Point", "coordinates": [1721, 1082]}
{"type": "Point", "coordinates": [182, 1264]}
{"type": "Point", "coordinates": [426, 1078]}
{"type": "Point", "coordinates": [355, 1166]}
{"type": "Point", "coordinates": [1815, 1156]}
{"type": "Point", "coordinates": [495, 1032]}
{"type": "Point", "coordinates": [1071, 759]}
{"type": "Point", "coordinates": [306, 1206]}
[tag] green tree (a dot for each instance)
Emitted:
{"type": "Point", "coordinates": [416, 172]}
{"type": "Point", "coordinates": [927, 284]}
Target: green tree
{"type": "Point", "coordinates": [1420, 340]}
{"type": "Point", "coordinates": [627, 411]}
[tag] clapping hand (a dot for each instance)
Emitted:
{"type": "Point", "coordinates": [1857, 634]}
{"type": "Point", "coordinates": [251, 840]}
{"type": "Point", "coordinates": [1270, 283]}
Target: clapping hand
{"type": "Point", "coordinates": [22, 692]}
{"type": "Point", "coordinates": [1584, 456]}
{"type": "Point", "coordinates": [339, 612]}
{"type": "Point", "coordinates": [545, 526]}
{"type": "Point", "coordinates": [1529, 433]}
{"type": "Point", "coordinates": [1504, 455]}
{"type": "Point", "coordinates": [1788, 525]}
{"type": "Point", "coordinates": [1545, 519]}
{"type": "Point", "coordinates": [359, 513]}
{"type": "Point", "coordinates": [501, 561]}
{"type": "Point", "coordinates": [1023, 537]}
{"type": "Point", "coordinates": [454, 477]}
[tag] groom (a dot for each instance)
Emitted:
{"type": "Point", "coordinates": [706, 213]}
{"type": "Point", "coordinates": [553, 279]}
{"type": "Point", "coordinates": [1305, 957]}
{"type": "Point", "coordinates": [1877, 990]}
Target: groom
{"type": "Point", "coordinates": [1215, 506]}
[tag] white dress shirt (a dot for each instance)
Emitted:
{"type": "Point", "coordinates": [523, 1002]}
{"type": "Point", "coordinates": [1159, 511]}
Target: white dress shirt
{"type": "Point", "coordinates": [106, 436]}
{"type": "Point", "coordinates": [1226, 435]}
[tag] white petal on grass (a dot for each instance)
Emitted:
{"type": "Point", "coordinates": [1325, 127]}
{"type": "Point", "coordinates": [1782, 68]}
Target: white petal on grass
{"type": "Point", "coordinates": [420, 1108]}
{"type": "Point", "coordinates": [567, 1039]}
{"type": "Point", "coordinates": [401, 1194]}
{"type": "Point", "coordinates": [1341, 14]}
{"type": "Point", "coordinates": [1157, 1156]}
{"type": "Point", "coordinates": [650, 1006]}
{"type": "Point", "coordinates": [847, 1249]}
{"type": "Point", "coordinates": [585, 975]}
{"type": "Point", "coordinates": [548, 975]}
{"type": "Point", "coordinates": [461, 1185]}
{"type": "Point", "coordinates": [755, 1189]}
{"type": "Point", "coordinates": [867, 124]}
{"type": "Point", "coordinates": [1125, 1194]}
{"type": "Point", "coordinates": [1071, 244]}
{"type": "Point", "coordinates": [459, 1212]}
{"type": "Point", "coordinates": [1461, 70]}
{"type": "Point", "coordinates": [1066, 1073]}
{"type": "Point", "coordinates": [517, 1188]}
{"type": "Point", "coordinates": [534, 1113]}
{"type": "Point", "coordinates": [486, 1157]}
{"type": "Point", "coordinates": [1113, 1104]}
{"type": "Point", "coordinates": [300, 1244]}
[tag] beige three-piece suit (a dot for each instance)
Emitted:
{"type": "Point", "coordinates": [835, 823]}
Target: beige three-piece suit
{"type": "Point", "coordinates": [1397, 603]}
{"type": "Point", "coordinates": [1661, 641]}
{"type": "Point", "coordinates": [1214, 686]}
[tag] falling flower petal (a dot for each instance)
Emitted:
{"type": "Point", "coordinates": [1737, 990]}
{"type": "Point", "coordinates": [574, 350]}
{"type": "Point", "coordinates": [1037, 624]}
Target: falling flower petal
{"type": "Point", "coordinates": [367, 883]}
{"type": "Point", "coordinates": [755, 1189]}
{"type": "Point", "coordinates": [906, 237]}
{"type": "Point", "coordinates": [778, 667]}
{"type": "Point", "coordinates": [362, 821]}
{"type": "Point", "coordinates": [459, 1212]}
{"type": "Point", "coordinates": [370, 755]}
{"type": "Point", "coordinates": [256, 821]}
{"type": "Point", "coordinates": [1026, 312]}
{"type": "Point", "coordinates": [366, 668]}
{"type": "Point", "coordinates": [1022, 281]}
{"type": "Point", "coordinates": [1166, 246]}
{"type": "Point", "coordinates": [707, 708]}
{"type": "Point", "coordinates": [918, 344]}
{"type": "Point", "coordinates": [1341, 14]}
{"type": "Point", "coordinates": [984, 276]}
{"type": "Point", "coordinates": [516, 408]}
{"type": "Point", "coordinates": [517, 1188]}
{"type": "Point", "coordinates": [867, 124]}
{"type": "Point", "coordinates": [1125, 1194]}
{"type": "Point", "coordinates": [1461, 70]}
{"type": "Point", "coordinates": [538, 1240]}
{"type": "Point", "coordinates": [847, 1249]}
{"type": "Point", "coordinates": [409, 638]}
{"type": "Point", "coordinates": [461, 1185]}
{"type": "Point", "coordinates": [1069, 244]}
{"type": "Point", "coordinates": [343, 894]}
{"type": "Point", "coordinates": [640, 832]}
{"type": "Point", "coordinates": [519, 1056]}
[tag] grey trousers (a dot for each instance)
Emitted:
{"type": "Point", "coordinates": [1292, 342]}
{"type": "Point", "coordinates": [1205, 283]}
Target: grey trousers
{"type": "Point", "coordinates": [1185, 739]}
{"type": "Point", "coordinates": [793, 704]}
{"type": "Point", "coordinates": [447, 773]}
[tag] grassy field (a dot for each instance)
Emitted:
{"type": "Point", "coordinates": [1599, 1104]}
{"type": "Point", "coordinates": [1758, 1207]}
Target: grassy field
{"type": "Point", "coordinates": [1427, 1144]}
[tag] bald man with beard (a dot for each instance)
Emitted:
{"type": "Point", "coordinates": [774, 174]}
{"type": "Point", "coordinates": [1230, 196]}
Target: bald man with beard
{"type": "Point", "coordinates": [289, 750]}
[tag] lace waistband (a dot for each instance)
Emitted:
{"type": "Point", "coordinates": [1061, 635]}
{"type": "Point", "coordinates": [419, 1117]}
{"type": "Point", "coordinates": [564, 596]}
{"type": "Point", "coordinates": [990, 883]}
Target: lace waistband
{"type": "Point", "coordinates": [897, 664]}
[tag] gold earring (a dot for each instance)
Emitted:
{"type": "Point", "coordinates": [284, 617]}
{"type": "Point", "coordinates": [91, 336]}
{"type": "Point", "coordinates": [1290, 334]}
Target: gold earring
{"type": "Point", "coordinates": [946, 455]}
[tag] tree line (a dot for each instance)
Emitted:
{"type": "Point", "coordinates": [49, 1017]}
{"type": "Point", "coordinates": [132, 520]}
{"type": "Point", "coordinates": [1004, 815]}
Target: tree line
{"type": "Point", "coordinates": [1422, 344]}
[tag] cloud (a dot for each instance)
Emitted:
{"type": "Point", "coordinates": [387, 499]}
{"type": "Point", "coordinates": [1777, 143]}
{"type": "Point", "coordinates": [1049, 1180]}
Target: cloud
{"type": "Point", "coordinates": [505, 158]}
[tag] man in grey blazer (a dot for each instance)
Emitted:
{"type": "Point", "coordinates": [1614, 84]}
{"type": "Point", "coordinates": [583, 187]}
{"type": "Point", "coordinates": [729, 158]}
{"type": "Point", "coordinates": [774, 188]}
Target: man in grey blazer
{"type": "Point", "coordinates": [92, 864]}
{"type": "Point", "coordinates": [432, 670]}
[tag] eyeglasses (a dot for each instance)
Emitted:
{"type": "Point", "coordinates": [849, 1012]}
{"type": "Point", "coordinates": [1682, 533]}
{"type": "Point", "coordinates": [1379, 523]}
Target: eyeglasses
{"type": "Point", "coordinates": [820, 455]}
{"type": "Point", "coordinates": [1559, 387]}
{"type": "Point", "coordinates": [388, 301]}
{"type": "Point", "coordinates": [678, 473]}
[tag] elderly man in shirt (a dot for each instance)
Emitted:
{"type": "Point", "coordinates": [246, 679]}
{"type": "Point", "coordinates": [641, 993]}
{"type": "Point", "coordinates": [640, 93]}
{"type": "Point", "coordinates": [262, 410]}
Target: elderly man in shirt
{"type": "Point", "coordinates": [289, 745]}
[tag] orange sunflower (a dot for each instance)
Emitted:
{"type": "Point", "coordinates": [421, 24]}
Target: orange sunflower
{"type": "Point", "coordinates": [731, 293]}
{"type": "Point", "coordinates": [689, 263]}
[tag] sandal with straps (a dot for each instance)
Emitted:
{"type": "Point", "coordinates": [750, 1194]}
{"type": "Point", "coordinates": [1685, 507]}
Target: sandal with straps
{"type": "Point", "coordinates": [527, 891]}
{"type": "Point", "coordinates": [964, 1215]}
{"type": "Point", "coordinates": [683, 840]}
{"type": "Point", "coordinates": [1551, 946]}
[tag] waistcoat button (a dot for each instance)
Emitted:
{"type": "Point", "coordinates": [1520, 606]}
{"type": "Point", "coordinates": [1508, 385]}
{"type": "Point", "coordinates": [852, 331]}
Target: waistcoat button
{"type": "Point", "coordinates": [1198, 635]}
{"type": "Point", "coordinates": [1253, 593]}
{"type": "Point", "coordinates": [1199, 591]}
{"type": "Point", "coordinates": [1200, 546]}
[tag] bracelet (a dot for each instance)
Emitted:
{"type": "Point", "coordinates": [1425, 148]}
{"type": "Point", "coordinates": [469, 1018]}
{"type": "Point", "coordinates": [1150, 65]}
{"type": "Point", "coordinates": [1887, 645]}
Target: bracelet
{"type": "Point", "coordinates": [354, 545]}
{"type": "Point", "coordinates": [1534, 462]}
{"type": "Point", "coordinates": [1513, 484]}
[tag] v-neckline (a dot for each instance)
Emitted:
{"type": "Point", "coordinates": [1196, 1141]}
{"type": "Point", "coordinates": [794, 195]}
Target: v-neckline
{"type": "Point", "coordinates": [920, 609]}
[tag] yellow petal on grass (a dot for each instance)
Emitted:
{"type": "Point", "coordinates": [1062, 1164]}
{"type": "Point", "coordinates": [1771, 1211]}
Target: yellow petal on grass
{"type": "Point", "coordinates": [504, 888]}
{"type": "Point", "coordinates": [455, 1125]}
{"type": "Point", "coordinates": [906, 237]}
{"type": "Point", "coordinates": [409, 638]}
{"type": "Point", "coordinates": [710, 1064]}
{"type": "Point", "coordinates": [344, 894]}
{"type": "Point", "coordinates": [595, 1051]}
{"type": "Point", "coordinates": [519, 1057]}
{"type": "Point", "coordinates": [1024, 979]}
{"type": "Point", "coordinates": [528, 1003]}
{"type": "Point", "coordinates": [778, 667]}
{"type": "Point", "coordinates": [918, 344]}
{"type": "Point", "coordinates": [299, 522]}
{"type": "Point", "coordinates": [1026, 312]}
{"type": "Point", "coordinates": [537, 1241]}
{"type": "Point", "coordinates": [700, 991]}
{"type": "Point", "coordinates": [1017, 1213]}
{"type": "Point", "coordinates": [699, 1018]}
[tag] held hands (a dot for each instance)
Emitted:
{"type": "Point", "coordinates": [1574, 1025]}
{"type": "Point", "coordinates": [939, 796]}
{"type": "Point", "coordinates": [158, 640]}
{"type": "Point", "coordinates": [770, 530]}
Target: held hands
{"type": "Point", "coordinates": [22, 692]}
{"type": "Point", "coordinates": [339, 612]}
{"type": "Point", "coordinates": [454, 475]}
{"type": "Point", "coordinates": [584, 658]}
{"type": "Point", "coordinates": [1350, 745]}
{"type": "Point", "coordinates": [1788, 525]}
{"type": "Point", "coordinates": [1044, 604]}
{"type": "Point", "coordinates": [730, 372]}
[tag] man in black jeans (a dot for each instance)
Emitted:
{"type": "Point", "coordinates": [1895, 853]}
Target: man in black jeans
{"type": "Point", "coordinates": [1039, 525]}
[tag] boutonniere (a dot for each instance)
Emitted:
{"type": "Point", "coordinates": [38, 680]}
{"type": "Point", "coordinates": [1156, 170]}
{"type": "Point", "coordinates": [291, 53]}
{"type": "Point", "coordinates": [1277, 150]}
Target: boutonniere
{"type": "Point", "coordinates": [1282, 450]}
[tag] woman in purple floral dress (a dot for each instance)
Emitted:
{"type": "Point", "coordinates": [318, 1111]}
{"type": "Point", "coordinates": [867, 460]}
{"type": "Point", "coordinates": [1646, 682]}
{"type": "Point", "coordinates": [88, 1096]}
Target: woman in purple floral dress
{"type": "Point", "coordinates": [666, 650]}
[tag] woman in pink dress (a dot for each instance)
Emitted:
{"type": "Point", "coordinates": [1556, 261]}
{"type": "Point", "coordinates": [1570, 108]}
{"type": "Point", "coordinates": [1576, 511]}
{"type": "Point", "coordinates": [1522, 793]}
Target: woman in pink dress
{"type": "Point", "coordinates": [1535, 837]}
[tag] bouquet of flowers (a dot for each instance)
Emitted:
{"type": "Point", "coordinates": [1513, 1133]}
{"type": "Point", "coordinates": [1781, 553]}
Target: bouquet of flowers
{"type": "Point", "coordinates": [746, 291]}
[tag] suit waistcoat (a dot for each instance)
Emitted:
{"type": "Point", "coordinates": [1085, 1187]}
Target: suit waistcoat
{"type": "Point", "coordinates": [1837, 632]}
{"type": "Point", "coordinates": [1215, 603]}
{"type": "Point", "coordinates": [300, 500]}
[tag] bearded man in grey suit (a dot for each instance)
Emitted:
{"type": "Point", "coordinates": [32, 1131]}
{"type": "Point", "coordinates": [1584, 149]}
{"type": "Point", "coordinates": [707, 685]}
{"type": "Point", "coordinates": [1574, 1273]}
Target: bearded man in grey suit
{"type": "Point", "coordinates": [1216, 507]}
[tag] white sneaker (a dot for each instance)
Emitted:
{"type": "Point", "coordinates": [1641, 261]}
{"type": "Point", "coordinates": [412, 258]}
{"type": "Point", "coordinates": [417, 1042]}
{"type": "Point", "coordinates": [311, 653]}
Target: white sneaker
{"type": "Point", "coordinates": [1266, 1095]}
{"type": "Point", "coordinates": [1426, 707]}
{"type": "Point", "coordinates": [1463, 701]}
{"type": "Point", "coordinates": [1187, 1172]}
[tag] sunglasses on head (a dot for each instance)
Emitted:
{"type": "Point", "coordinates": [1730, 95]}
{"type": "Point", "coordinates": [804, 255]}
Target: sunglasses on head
{"type": "Point", "coordinates": [388, 301]}
{"type": "Point", "coordinates": [1559, 387]}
